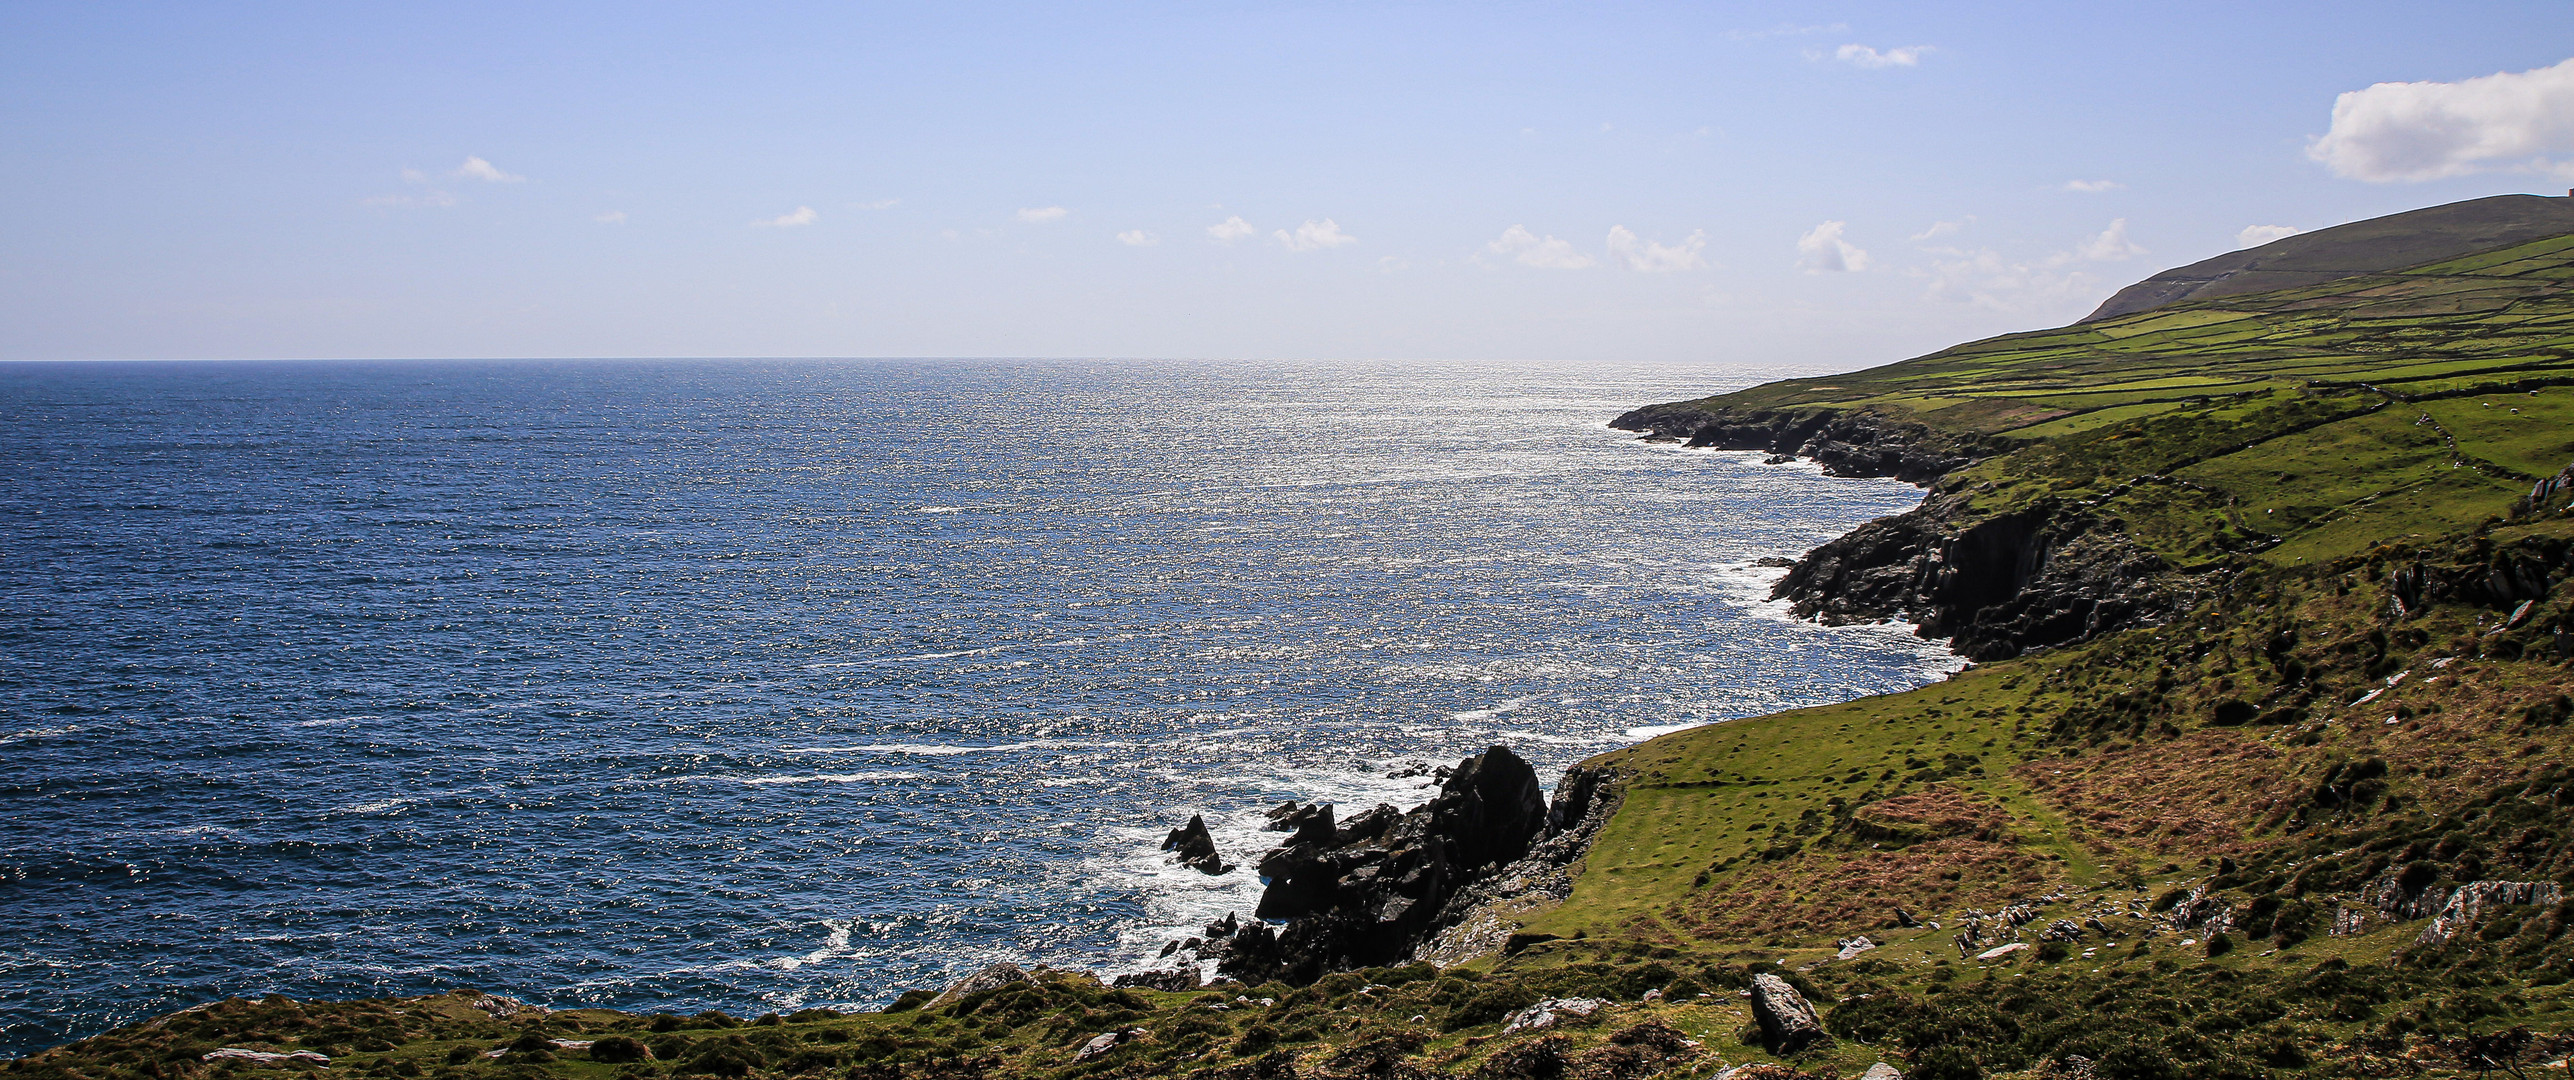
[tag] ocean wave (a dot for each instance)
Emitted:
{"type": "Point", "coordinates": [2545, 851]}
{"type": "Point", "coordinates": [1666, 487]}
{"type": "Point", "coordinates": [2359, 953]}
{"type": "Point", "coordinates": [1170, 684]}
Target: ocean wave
{"type": "Point", "coordinates": [949, 749]}
{"type": "Point", "coordinates": [822, 778]}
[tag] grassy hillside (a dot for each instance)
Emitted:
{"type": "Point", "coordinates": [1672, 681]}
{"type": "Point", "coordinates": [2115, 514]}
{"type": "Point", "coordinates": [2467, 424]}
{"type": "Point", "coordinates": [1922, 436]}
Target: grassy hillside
{"type": "Point", "coordinates": [2300, 425]}
{"type": "Point", "coordinates": [2226, 829]}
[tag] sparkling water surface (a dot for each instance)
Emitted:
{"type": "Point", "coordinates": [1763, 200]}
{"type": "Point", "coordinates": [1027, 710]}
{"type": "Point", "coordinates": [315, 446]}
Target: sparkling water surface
{"type": "Point", "coordinates": [757, 685]}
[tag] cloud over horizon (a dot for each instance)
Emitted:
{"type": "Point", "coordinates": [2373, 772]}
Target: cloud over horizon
{"type": "Point", "coordinates": [1039, 215]}
{"type": "Point", "coordinates": [1646, 257]}
{"type": "Point", "coordinates": [2257, 235]}
{"type": "Point", "coordinates": [1138, 238]}
{"type": "Point", "coordinates": [1867, 57]}
{"type": "Point", "coordinates": [1528, 249]}
{"type": "Point", "coordinates": [2411, 131]}
{"type": "Point", "coordinates": [2112, 245]}
{"type": "Point", "coordinates": [476, 168]}
{"type": "Point", "coordinates": [1984, 278]}
{"type": "Point", "coordinates": [1313, 236]}
{"type": "Point", "coordinates": [802, 215]}
{"type": "Point", "coordinates": [1822, 251]}
{"type": "Point", "coordinates": [1232, 229]}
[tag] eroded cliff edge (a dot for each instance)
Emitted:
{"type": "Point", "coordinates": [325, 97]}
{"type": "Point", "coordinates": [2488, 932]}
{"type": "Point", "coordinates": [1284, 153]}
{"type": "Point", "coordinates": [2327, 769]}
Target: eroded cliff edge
{"type": "Point", "coordinates": [1996, 584]}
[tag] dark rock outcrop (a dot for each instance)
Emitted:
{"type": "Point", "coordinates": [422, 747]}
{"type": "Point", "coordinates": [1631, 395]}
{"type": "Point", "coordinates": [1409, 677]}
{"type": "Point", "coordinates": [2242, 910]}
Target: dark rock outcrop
{"type": "Point", "coordinates": [1172, 979]}
{"type": "Point", "coordinates": [1310, 822]}
{"type": "Point", "coordinates": [1483, 918]}
{"type": "Point", "coordinates": [2484, 573]}
{"type": "Point", "coordinates": [1788, 1023]}
{"type": "Point", "coordinates": [1374, 888]}
{"type": "Point", "coordinates": [1196, 847]}
{"type": "Point", "coordinates": [1998, 586]}
{"type": "Point", "coordinates": [1852, 444]}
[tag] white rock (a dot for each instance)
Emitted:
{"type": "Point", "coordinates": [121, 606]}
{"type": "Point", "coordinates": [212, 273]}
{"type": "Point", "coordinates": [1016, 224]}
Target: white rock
{"type": "Point", "coordinates": [263, 1057]}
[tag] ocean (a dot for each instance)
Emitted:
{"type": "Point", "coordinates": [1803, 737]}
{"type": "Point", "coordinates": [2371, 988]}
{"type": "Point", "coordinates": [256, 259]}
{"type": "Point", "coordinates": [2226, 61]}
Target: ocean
{"type": "Point", "coordinates": [755, 685]}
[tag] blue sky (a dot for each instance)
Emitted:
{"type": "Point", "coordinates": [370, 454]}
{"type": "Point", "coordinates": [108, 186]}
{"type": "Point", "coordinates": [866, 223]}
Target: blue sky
{"type": "Point", "coordinates": [1797, 184]}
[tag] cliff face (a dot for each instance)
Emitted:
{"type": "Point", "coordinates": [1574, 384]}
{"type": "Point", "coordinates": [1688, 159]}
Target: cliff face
{"type": "Point", "coordinates": [1998, 586]}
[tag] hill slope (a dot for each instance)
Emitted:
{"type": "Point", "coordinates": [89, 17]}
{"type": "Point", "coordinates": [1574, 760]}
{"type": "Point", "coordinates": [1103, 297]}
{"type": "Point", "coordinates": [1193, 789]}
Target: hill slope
{"type": "Point", "coordinates": [2361, 247]}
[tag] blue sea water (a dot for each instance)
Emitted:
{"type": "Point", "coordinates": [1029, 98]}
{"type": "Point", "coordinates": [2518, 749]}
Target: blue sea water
{"type": "Point", "coordinates": [757, 685]}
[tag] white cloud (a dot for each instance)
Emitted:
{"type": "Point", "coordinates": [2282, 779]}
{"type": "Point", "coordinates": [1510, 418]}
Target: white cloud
{"type": "Point", "coordinates": [1943, 228]}
{"type": "Point", "coordinates": [1985, 279]}
{"type": "Point", "coordinates": [2093, 187]}
{"type": "Point", "coordinates": [803, 215]}
{"type": "Point", "coordinates": [2111, 245]}
{"type": "Point", "coordinates": [1138, 238]}
{"type": "Point", "coordinates": [1863, 56]}
{"type": "Point", "coordinates": [1550, 253]}
{"type": "Point", "coordinates": [1648, 257]}
{"type": "Point", "coordinates": [1822, 250]}
{"type": "Point", "coordinates": [1232, 229]}
{"type": "Point", "coordinates": [2429, 130]}
{"type": "Point", "coordinates": [2257, 235]}
{"type": "Point", "coordinates": [476, 168]}
{"type": "Point", "coordinates": [1314, 236]}
{"type": "Point", "coordinates": [610, 217]}
{"type": "Point", "coordinates": [1039, 215]}
{"type": "Point", "coordinates": [880, 204]}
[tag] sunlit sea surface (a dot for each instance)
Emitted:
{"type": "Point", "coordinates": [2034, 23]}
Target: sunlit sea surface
{"type": "Point", "coordinates": [757, 685]}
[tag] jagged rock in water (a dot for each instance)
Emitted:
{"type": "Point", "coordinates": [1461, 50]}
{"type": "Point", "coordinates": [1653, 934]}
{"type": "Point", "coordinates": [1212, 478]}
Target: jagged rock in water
{"type": "Point", "coordinates": [1196, 847]}
{"type": "Point", "coordinates": [1370, 891]}
{"type": "Point", "coordinates": [1309, 822]}
{"type": "Point", "coordinates": [1788, 1023]}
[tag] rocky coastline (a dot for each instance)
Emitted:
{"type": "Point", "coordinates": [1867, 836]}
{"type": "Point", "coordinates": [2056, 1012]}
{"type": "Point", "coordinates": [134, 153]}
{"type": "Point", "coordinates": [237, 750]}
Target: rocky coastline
{"type": "Point", "coordinates": [1995, 585]}
{"type": "Point", "coordinates": [1445, 881]}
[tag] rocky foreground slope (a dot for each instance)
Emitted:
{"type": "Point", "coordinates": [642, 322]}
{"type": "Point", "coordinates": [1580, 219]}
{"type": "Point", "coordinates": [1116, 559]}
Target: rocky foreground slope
{"type": "Point", "coordinates": [2267, 769]}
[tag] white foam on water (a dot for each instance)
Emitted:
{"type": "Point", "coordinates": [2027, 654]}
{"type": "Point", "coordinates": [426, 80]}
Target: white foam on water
{"type": "Point", "coordinates": [377, 807]}
{"type": "Point", "coordinates": [1493, 711]}
{"type": "Point", "coordinates": [945, 749]}
{"type": "Point", "coordinates": [1648, 731]}
{"type": "Point", "coordinates": [822, 778]}
{"type": "Point", "coordinates": [990, 650]}
{"type": "Point", "coordinates": [835, 943]}
{"type": "Point", "coordinates": [36, 733]}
